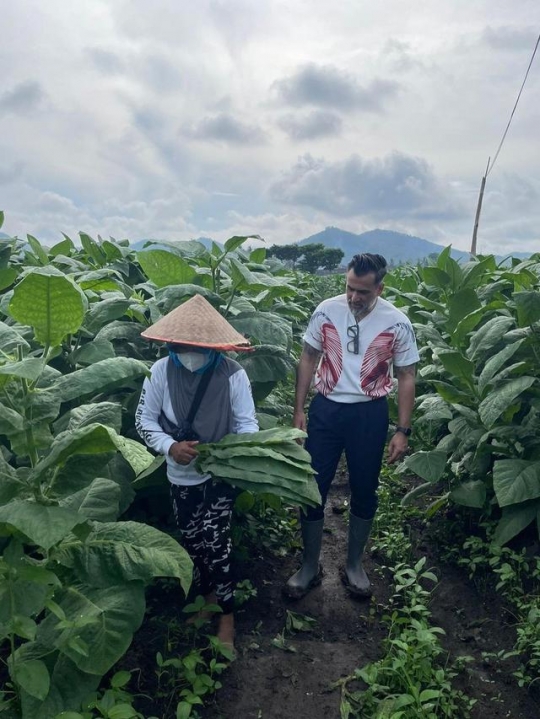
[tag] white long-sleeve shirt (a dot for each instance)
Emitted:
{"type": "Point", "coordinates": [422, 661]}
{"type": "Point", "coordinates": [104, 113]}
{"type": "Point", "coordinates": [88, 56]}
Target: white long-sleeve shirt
{"type": "Point", "coordinates": [155, 398]}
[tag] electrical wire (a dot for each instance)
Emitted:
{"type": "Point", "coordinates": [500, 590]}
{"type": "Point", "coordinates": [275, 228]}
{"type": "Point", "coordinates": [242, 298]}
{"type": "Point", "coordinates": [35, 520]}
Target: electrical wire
{"type": "Point", "coordinates": [490, 168]}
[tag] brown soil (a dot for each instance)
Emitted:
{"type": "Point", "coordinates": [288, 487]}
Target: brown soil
{"type": "Point", "coordinates": [266, 682]}
{"type": "Point", "coordinates": [269, 683]}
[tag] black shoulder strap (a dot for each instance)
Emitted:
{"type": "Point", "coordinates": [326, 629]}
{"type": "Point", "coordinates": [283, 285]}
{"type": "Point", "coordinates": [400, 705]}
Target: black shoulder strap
{"type": "Point", "coordinates": [200, 391]}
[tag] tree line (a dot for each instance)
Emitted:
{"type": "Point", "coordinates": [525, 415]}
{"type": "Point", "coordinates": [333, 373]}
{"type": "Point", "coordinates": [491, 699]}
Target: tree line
{"type": "Point", "coordinates": [308, 258]}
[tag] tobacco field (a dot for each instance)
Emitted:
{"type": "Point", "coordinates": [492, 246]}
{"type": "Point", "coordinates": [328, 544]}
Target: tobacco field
{"type": "Point", "coordinates": [94, 587]}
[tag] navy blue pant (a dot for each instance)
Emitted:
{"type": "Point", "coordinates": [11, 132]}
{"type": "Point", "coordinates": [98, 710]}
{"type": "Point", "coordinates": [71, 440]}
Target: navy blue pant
{"type": "Point", "coordinates": [359, 429]}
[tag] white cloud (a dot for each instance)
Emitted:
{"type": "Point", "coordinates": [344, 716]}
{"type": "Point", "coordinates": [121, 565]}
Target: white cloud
{"type": "Point", "coordinates": [393, 186]}
{"type": "Point", "coordinates": [403, 116]}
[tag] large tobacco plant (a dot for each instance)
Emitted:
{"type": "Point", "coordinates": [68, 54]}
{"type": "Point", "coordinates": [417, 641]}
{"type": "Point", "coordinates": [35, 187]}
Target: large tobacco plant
{"type": "Point", "coordinates": [72, 577]}
{"type": "Point", "coordinates": [478, 411]}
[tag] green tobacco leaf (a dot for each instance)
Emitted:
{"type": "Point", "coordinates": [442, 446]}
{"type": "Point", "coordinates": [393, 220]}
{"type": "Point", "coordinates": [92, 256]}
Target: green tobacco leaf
{"type": "Point", "coordinates": [258, 255]}
{"type": "Point", "coordinates": [64, 247]}
{"type": "Point", "coordinates": [430, 466]}
{"type": "Point", "coordinates": [474, 271]}
{"type": "Point", "coordinates": [263, 327]}
{"type": "Point", "coordinates": [127, 551]}
{"type": "Point", "coordinates": [105, 311]}
{"type": "Point", "coordinates": [168, 298]}
{"type": "Point", "coordinates": [92, 352]}
{"type": "Point", "coordinates": [92, 249]}
{"type": "Point", "coordinates": [514, 520]}
{"type": "Point", "coordinates": [233, 243]}
{"type": "Point", "coordinates": [50, 302]}
{"type": "Point", "coordinates": [466, 325]}
{"type": "Point", "coordinates": [43, 525]}
{"type": "Point", "coordinates": [69, 687]}
{"type": "Point", "coordinates": [245, 279]}
{"type": "Point", "coordinates": [266, 363]}
{"type": "Point", "coordinates": [501, 398]}
{"type": "Point", "coordinates": [10, 421]}
{"type": "Point", "coordinates": [29, 368]}
{"type": "Point", "coordinates": [470, 494]}
{"type": "Point", "coordinates": [435, 276]}
{"type": "Point", "coordinates": [10, 485]}
{"type": "Point", "coordinates": [38, 250]}
{"type": "Point", "coordinates": [33, 677]}
{"type": "Point", "coordinates": [271, 452]}
{"type": "Point", "coordinates": [92, 439]}
{"type": "Point", "coordinates": [455, 272]}
{"type": "Point", "coordinates": [266, 465]}
{"type": "Point", "coordinates": [516, 480]}
{"type": "Point", "coordinates": [244, 502]}
{"type": "Point", "coordinates": [489, 335]}
{"type": "Point", "coordinates": [304, 494]}
{"type": "Point", "coordinates": [125, 331]}
{"type": "Point", "coordinates": [418, 491]}
{"type": "Point", "coordinates": [78, 472]}
{"type": "Point", "coordinates": [23, 597]}
{"type": "Point", "coordinates": [118, 611]}
{"type": "Point", "coordinates": [8, 275]}
{"type": "Point", "coordinates": [97, 377]}
{"type": "Point", "coordinates": [450, 393]}
{"type": "Point", "coordinates": [277, 435]}
{"type": "Point", "coordinates": [1, 218]}
{"type": "Point", "coordinates": [108, 413]}
{"type": "Point", "coordinates": [112, 250]}
{"type": "Point", "coordinates": [460, 305]}
{"type": "Point", "coordinates": [528, 307]}
{"type": "Point", "coordinates": [458, 365]}
{"type": "Point", "coordinates": [164, 268]}
{"type": "Point", "coordinates": [434, 408]}
{"type": "Point", "coordinates": [99, 501]}
{"type": "Point", "coordinates": [494, 364]}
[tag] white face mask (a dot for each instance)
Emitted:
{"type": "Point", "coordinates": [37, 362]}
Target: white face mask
{"type": "Point", "coordinates": [192, 361]}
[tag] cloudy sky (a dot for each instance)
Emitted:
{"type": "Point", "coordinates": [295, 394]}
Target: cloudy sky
{"type": "Point", "coordinates": [180, 118]}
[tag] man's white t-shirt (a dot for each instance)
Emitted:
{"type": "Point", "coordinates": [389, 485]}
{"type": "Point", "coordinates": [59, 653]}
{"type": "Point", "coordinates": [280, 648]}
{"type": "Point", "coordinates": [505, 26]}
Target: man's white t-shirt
{"type": "Point", "coordinates": [385, 339]}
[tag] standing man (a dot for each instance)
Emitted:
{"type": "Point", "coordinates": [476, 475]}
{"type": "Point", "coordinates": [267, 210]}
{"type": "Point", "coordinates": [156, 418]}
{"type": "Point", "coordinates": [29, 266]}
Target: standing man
{"type": "Point", "coordinates": [354, 340]}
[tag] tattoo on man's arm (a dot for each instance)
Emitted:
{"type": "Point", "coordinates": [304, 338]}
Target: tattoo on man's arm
{"type": "Point", "coordinates": [311, 351]}
{"type": "Point", "coordinates": [409, 369]}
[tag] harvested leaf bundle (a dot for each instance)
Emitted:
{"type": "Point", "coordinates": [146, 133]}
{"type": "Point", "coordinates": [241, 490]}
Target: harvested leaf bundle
{"type": "Point", "coordinates": [269, 462]}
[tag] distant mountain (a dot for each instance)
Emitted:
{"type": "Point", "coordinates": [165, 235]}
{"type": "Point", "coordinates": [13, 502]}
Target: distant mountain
{"type": "Point", "coordinates": [394, 246]}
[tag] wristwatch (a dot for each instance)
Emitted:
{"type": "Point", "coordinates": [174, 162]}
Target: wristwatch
{"type": "Point", "coordinates": [407, 431]}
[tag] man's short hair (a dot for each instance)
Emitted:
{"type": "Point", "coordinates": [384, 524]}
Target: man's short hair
{"type": "Point", "coordinates": [367, 262]}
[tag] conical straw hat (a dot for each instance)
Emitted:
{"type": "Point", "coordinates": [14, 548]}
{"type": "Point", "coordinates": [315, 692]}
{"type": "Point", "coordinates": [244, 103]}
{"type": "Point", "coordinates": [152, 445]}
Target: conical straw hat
{"type": "Point", "coordinates": [197, 323]}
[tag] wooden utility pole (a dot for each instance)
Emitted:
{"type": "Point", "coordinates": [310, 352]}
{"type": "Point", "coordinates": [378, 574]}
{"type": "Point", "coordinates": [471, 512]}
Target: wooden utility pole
{"type": "Point", "coordinates": [479, 210]}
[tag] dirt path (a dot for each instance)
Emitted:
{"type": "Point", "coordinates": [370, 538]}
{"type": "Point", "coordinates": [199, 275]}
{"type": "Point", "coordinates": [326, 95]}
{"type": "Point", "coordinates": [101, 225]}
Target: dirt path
{"type": "Point", "coordinates": [269, 683]}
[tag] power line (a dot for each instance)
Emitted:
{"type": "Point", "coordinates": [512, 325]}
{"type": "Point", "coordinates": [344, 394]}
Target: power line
{"type": "Point", "coordinates": [490, 168]}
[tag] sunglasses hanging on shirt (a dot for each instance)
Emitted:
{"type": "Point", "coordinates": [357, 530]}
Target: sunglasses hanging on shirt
{"type": "Point", "coordinates": [353, 345]}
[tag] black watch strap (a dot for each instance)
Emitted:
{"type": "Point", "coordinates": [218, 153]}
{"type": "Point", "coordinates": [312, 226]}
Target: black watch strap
{"type": "Point", "coordinates": [407, 431]}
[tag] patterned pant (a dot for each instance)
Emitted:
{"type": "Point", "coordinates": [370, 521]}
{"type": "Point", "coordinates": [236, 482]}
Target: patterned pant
{"type": "Point", "coordinates": [203, 515]}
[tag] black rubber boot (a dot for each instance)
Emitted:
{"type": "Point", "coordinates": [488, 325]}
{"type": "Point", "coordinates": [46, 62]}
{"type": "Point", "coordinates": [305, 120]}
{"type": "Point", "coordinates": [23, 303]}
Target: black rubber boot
{"type": "Point", "coordinates": [310, 573]}
{"type": "Point", "coordinates": [354, 576]}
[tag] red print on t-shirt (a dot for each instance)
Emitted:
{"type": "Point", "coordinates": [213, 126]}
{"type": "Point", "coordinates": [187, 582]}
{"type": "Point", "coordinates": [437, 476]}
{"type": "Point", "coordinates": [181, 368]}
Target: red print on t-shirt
{"type": "Point", "coordinates": [332, 362]}
{"type": "Point", "coordinates": [375, 377]}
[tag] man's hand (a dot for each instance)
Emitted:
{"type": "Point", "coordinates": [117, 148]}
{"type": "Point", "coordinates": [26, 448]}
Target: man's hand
{"type": "Point", "coordinates": [183, 452]}
{"type": "Point", "coordinates": [397, 447]}
{"type": "Point", "coordinates": [299, 420]}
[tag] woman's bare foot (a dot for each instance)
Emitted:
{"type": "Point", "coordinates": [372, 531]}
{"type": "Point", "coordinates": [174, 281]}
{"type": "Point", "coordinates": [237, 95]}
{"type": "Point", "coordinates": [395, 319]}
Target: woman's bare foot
{"type": "Point", "coordinates": [225, 632]}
